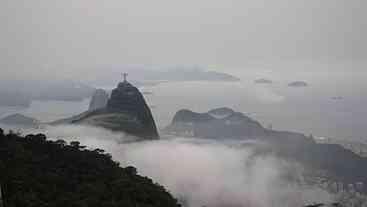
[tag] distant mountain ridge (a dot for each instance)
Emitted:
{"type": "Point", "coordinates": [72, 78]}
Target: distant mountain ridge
{"type": "Point", "coordinates": [152, 76]}
{"type": "Point", "coordinates": [224, 123]}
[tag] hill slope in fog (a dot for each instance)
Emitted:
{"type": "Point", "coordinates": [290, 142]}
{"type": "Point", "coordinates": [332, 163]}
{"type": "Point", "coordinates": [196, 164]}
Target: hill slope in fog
{"type": "Point", "coordinates": [340, 164]}
{"type": "Point", "coordinates": [126, 111]}
{"type": "Point", "coordinates": [40, 172]}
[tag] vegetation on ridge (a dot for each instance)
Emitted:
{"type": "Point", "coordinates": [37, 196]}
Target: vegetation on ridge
{"type": "Point", "coordinates": [38, 172]}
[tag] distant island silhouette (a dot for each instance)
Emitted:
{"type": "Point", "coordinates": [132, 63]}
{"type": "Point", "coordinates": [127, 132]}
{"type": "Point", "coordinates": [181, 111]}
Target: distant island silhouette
{"type": "Point", "coordinates": [298, 84]}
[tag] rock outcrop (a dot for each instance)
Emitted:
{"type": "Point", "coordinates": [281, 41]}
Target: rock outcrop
{"type": "Point", "coordinates": [225, 123]}
{"type": "Point", "coordinates": [263, 81]}
{"type": "Point", "coordinates": [99, 100]}
{"type": "Point", "coordinates": [126, 111]}
{"type": "Point", "coordinates": [126, 99]}
{"type": "Point", "coordinates": [337, 162]}
{"type": "Point", "coordinates": [217, 124]}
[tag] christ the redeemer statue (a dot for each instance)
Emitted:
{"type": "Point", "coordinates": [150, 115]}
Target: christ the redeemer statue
{"type": "Point", "coordinates": [125, 77]}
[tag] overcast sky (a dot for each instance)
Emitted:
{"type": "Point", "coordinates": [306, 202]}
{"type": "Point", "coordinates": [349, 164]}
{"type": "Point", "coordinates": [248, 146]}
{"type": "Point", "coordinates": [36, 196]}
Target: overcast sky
{"type": "Point", "coordinates": [71, 37]}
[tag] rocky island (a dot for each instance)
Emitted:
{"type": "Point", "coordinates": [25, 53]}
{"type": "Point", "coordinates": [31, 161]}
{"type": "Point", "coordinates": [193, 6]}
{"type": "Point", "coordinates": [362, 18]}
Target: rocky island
{"type": "Point", "coordinates": [263, 81]}
{"type": "Point", "coordinates": [298, 84]}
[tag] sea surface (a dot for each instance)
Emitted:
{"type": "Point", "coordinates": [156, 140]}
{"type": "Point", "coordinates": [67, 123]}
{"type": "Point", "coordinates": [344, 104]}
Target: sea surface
{"type": "Point", "coordinates": [47, 111]}
{"type": "Point", "coordinates": [310, 110]}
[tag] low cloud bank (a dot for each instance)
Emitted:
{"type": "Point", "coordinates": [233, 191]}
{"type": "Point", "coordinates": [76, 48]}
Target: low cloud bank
{"type": "Point", "coordinates": [201, 172]}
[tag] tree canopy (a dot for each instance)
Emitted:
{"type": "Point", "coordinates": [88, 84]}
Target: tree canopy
{"type": "Point", "coordinates": [38, 172]}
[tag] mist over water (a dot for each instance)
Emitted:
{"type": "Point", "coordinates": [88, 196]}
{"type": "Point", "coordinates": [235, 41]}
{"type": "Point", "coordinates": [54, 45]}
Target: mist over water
{"type": "Point", "coordinates": [217, 173]}
{"type": "Point", "coordinates": [201, 172]}
{"type": "Point", "coordinates": [309, 110]}
{"type": "Point", "coordinates": [47, 111]}
{"type": "Point", "coordinates": [319, 43]}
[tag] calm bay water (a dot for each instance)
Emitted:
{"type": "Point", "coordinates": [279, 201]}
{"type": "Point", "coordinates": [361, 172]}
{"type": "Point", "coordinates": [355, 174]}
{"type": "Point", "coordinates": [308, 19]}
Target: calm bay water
{"type": "Point", "coordinates": [47, 111]}
{"type": "Point", "coordinates": [310, 110]}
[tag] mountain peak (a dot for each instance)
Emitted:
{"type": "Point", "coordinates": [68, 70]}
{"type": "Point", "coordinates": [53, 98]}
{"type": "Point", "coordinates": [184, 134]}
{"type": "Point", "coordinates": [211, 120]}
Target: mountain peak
{"type": "Point", "coordinates": [126, 111]}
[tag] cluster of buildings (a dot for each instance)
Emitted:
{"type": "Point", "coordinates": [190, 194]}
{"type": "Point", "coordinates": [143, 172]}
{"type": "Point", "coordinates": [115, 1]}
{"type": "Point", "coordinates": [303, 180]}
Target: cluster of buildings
{"type": "Point", "coordinates": [339, 187]}
{"type": "Point", "coordinates": [359, 147]}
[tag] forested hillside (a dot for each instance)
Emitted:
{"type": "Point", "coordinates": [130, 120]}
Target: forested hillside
{"type": "Point", "coordinates": [39, 172]}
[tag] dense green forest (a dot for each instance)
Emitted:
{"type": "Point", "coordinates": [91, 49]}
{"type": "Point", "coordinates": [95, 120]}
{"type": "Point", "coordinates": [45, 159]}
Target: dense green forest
{"type": "Point", "coordinates": [37, 172]}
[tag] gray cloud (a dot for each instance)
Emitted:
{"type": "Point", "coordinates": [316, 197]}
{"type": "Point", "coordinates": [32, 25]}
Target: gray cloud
{"type": "Point", "coordinates": [202, 172]}
{"type": "Point", "coordinates": [71, 37]}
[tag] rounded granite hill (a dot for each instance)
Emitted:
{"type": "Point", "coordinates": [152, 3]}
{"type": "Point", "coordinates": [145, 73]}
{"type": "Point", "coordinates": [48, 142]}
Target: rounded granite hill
{"type": "Point", "coordinates": [126, 111]}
